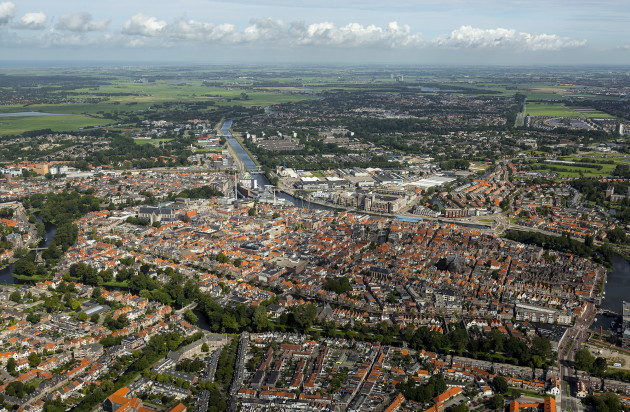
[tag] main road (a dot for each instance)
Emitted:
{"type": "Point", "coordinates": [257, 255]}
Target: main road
{"type": "Point", "coordinates": [570, 344]}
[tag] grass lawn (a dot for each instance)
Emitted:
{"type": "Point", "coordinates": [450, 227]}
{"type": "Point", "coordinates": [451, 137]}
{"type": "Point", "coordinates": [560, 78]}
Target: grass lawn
{"type": "Point", "coordinates": [550, 109]}
{"type": "Point", "coordinates": [31, 278]}
{"type": "Point", "coordinates": [116, 284]}
{"type": "Point", "coordinates": [16, 125]}
{"type": "Point", "coordinates": [531, 394]}
{"type": "Point", "coordinates": [574, 171]}
{"type": "Point", "coordinates": [589, 112]}
{"type": "Point", "coordinates": [560, 110]}
{"type": "Point", "coordinates": [150, 141]}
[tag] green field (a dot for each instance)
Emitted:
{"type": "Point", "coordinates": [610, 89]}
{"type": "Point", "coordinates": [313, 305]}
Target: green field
{"type": "Point", "coordinates": [16, 125]}
{"type": "Point", "coordinates": [576, 171]}
{"type": "Point", "coordinates": [150, 141]}
{"type": "Point", "coordinates": [550, 109]}
{"type": "Point", "coordinates": [560, 110]}
{"type": "Point", "coordinates": [125, 95]}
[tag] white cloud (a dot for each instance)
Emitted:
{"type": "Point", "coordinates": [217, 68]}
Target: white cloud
{"type": "Point", "coordinates": [194, 30]}
{"type": "Point", "coordinates": [471, 37]}
{"type": "Point", "coordinates": [7, 11]}
{"type": "Point", "coordinates": [32, 21]}
{"type": "Point", "coordinates": [274, 32]}
{"type": "Point", "coordinates": [354, 34]}
{"type": "Point", "coordinates": [81, 22]}
{"type": "Point", "coordinates": [142, 25]}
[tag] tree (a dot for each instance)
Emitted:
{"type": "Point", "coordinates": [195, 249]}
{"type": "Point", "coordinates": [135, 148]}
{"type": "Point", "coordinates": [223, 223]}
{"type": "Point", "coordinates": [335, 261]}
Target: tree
{"type": "Point", "coordinates": [11, 364]}
{"type": "Point", "coordinates": [303, 315]}
{"type": "Point", "coordinates": [205, 347]}
{"type": "Point", "coordinates": [500, 384]}
{"type": "Point", "coordinates": [605, 402]}
{"type": "Point", "coordinates": [251, 211]}
{"type": "Point", "coordinates": [190, 316]}
{"type": "Point", "coordinates": [588, 241]}
{"type": "Point", "coordinates": [55, 405]}
{"type": "Point", "coordinates": [617, 235]}
{"type": "Point", "coordinates": [96, 293]}
{"type": "Point", "coordinates": [260, 320]}
{"type": "Point", "coordinates": [599, 366]}
{"type": "Point", "coordinates": [497, 402]}
{"type": "Point", "coordinates": [16, 389]}
{"type": "Point", "coordinates": [82, 317]}
{"type": "Point", "coordinates": [438, 383]}
{"type": "Point", "coordinates": [222, 258]}
{"type": "Point", "coordinates": [338, 285]}
{"type": "Point", "coordinates": [95, 318]}
{"type": "Point", "coordinates": [34, 359]}
{"type": "Point", "coordinates": [460, 408]}
{"type": "Point", "coordinates": [15, 297]}
{"type": "Point", "coordinates": [33, 318]}
{"type": "Point", "coordinates": [583, 360]}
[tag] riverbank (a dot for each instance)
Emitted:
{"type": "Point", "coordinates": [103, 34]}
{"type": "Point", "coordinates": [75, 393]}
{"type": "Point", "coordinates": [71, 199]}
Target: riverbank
{"type": "Point", "coordinates": [6, 273]}
{"type": "Point", "coordinates": [323, 204]}
{"type": "Point", "coordinates": [12, 261]}
{"type": "Point", "coordinates": [616, 290]}
{"type": "Point", "coordinates": [240, 141]}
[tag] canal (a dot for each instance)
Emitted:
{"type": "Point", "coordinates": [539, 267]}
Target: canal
{"type": "Point", "coordinates": [6, 274]}
{"type": "Point", "coordinates": [261, 179]}
{"type": "Point", "coordinates": [617, 289]}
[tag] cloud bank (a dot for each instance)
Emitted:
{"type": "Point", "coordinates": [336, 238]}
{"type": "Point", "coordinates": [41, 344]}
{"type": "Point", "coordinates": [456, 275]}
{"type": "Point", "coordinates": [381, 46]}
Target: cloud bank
{"type": "Point", "coordinates": [32, 21]}
{"type": "Point", "coordinates": [325, 34]}
{"type": "Point", "coordinates": [142, 30]}
{"type": "Point", "coordinates": [273, 32]}
{"type": "Point", "coordinates": [7, 11]}
{"type": "Point", "coordinates": [81, 23]}
{"type": "Point", "coordinates": [468, 37]}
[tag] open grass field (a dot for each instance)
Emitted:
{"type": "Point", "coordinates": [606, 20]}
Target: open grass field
{"type": "Point", "coordinates": [16, 125]}
{"type": "Point", "coordinates": [592, 113]}
{"type": "Point", "coordinates": [479, 166]}
{"type": "Point", "coordinates": [150, 141]}
{"type": "Point", "coordinates": [125, 95]}
{"type": "Point", "coordinates": [576, 171]}
{"type": "Point", "coordinates": [549, 109]}
{"type": "Point", "coordinates": [141, 95]}
{"type": "Point", "coordinates": [560, 110]}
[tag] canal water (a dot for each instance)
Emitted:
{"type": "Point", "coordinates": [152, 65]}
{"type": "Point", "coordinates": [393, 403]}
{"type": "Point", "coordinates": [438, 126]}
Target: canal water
{"type": "Point", "coordinates": [261, 179]}
{"type": "Point", "coordinates": [617, 290]}
{"type": "Point", "coordinates": [6, 274]}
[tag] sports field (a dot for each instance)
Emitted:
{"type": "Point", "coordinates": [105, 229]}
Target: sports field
{"type": "Point", "coordinates": [560, 110]}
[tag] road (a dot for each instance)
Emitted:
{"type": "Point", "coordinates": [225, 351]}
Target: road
{"type": "Point", "coordinates": [520, 117]}
{"type": "Point", "coordinates": [239, 368]}
{"type": "Point", "coordinates": [570, 344]}
{"type": "Point", "coordinates": [211, 367]}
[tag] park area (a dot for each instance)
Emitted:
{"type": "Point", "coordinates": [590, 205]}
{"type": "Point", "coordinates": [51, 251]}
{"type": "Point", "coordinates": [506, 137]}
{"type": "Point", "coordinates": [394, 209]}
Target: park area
{"type": "Point", "coordinates": [560, 110]}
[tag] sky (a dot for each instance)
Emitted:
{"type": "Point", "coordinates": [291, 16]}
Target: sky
{"type": "Point", "coordinates": [460, 32]}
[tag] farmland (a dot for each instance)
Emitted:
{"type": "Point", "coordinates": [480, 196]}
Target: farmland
{"type": "Point", "coordinates": [16, 125]}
